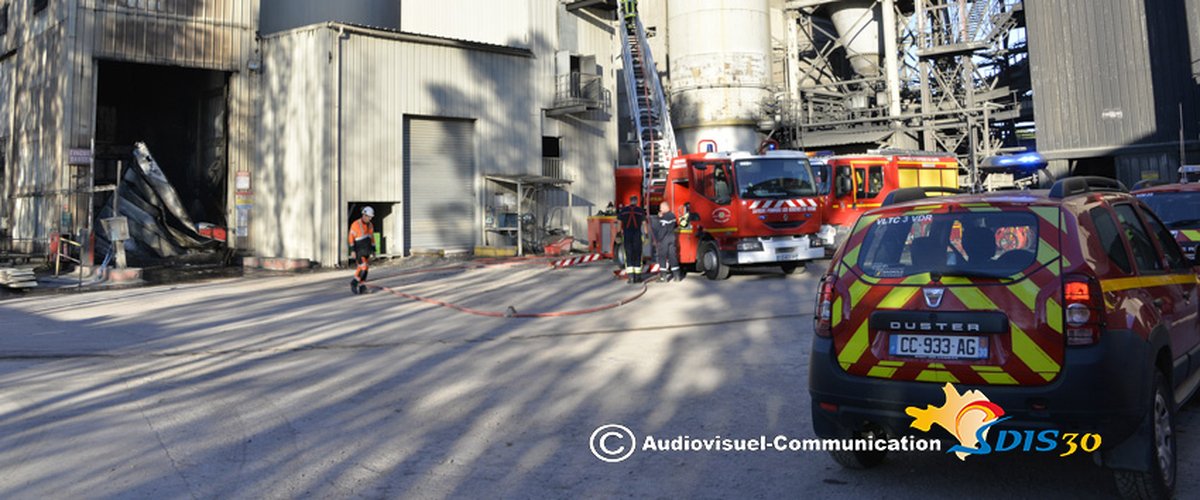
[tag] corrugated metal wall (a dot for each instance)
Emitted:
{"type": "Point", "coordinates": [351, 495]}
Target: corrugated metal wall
{"type": "Point", "coordinates": [38, 177]}
{"type": "Point", "coordinates": [498, 22]}
{"type": "Point", "coordinates": [386, 80]}
{"type": "Point", "coordinates": [210, 34]}
{"type": "Point", "coordinates": [280, 15]}
{"type": "Point", "coordinates": [6, 99]}
{"type": "Point", "coordinates": [294, 212]}
{"type": "Point", "coordinates": [383, 81]}
{"type": "Point", "coordinates": [1108, 73]}
{"type": "Point", "coordinates": [1134, 168]}
{"type": "Point", "coordinates": [53, 64]}
{"type": "Point", "coordinates": [589, 148]}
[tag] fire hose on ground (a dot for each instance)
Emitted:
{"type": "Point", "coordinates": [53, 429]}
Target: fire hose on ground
{"type": "Point", "coordinates": [511, 312]}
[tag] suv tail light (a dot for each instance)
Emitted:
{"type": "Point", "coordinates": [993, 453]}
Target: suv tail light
{"type": "Point", "coordinates": [824, 310]}
{"type": "Point", "coordinates": [1083, 310]}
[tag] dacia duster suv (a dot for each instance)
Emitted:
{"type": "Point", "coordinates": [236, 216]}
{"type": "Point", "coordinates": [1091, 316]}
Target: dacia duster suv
{"type": "Point", "coordinates": [1072, 309]}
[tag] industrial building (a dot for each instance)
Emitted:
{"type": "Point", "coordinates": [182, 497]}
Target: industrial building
{"type": "Point", "coordinates": [1106, 87]}
{"type": "Point", "coordinates": [280, 119]}
{"type": "Point", "coordinates": [83, 80]}
{"type": "Point", "coordinates": [415, 124]}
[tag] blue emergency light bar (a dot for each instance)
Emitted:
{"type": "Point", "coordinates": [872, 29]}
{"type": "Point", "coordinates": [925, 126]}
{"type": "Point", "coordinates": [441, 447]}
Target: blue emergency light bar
{"type": "Point", "coordinates": [1025, 162]}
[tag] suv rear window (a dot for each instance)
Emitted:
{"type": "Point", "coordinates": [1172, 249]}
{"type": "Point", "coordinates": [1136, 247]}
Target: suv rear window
{"type": "Point", "coordinates": [971, 244]}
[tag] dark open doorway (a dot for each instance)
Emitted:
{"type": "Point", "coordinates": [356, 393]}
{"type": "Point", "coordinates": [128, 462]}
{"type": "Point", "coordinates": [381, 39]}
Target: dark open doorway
{"type": "Point", "coordinates": [180, 114]}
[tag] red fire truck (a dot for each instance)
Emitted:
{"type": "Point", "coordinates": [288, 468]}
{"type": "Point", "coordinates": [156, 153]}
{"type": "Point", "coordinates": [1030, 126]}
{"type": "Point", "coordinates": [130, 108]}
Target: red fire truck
{"type": "Point", "coordinates": [853, 184]}
{"type": "Point", "coordinates": [752, 209]}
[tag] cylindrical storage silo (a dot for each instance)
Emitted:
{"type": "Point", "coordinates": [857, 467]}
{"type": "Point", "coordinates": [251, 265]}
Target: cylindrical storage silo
{"type": "Point", "coordinates": [857, 24]}
{"type": "Point", "coordinates": [720, 71]}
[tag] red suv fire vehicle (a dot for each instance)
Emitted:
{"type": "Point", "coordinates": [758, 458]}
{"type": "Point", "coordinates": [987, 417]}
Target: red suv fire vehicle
{"type": "Point", "coordinates": [1087, 323]}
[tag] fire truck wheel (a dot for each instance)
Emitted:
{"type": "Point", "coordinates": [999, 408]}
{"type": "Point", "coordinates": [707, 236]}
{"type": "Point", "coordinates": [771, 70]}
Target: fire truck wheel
{"type": "Point", "coordinates": [789, 267]}
{"type": "Point", "coordinates": [710, 261]}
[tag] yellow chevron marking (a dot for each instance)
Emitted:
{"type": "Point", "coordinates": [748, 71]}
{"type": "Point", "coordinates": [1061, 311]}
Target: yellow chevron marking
{"type": "Point", "coordinates": [998, 378]}
{"type": "Point", "coordinates": [1027, 292]}
{"type": "Point", "coordinates": [1048, 213]}
{"type": "Point", "coordinates": [937, 376]}
{"type": "Point", "coordinates": [881, 372]}
{"type": "Point", "coordinates": [1054, 315]}
{"type": "Point", "coordinates": [898, 297]}
{"type": "Point", "coordinates": [857, 290]}
{"type": "Point", "coordinates": [855, 347]}
{"type": "Point", "coordinates": [851, 257]}
{"type": "Point", "coordinates": [1046, 251]}
{"type": "Point", "coordinates": [836, 314]}
{"type": "Point", "coordinates": [1033, 356]}
{"type": "Point", "coordinates": [1023, 346]}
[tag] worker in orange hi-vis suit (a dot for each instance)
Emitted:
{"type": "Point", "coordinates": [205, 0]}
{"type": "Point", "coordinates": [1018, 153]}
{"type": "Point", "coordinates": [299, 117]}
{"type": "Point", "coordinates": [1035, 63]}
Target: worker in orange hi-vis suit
{"type": "Point", "coordinates": [362, 245]}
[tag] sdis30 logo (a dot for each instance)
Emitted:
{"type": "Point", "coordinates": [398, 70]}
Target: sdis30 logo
{"type": "Point", "coordinates": [969, 416]}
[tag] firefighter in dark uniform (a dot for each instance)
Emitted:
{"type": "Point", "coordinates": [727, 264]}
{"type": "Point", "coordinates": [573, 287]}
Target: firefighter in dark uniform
{"type": "Point", "coordinates": [633, 223]}
{"type": "Point", "coordinates": [666, 247]}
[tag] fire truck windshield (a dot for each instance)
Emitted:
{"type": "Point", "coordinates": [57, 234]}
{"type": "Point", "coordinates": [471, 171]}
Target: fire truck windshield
{"type": "Point", "coordinates": [774, 178]}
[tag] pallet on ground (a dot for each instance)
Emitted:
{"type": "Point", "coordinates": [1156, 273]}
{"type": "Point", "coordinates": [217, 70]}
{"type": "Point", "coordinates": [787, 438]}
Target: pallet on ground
{"type": "Point", "coordinates": [17, 278]}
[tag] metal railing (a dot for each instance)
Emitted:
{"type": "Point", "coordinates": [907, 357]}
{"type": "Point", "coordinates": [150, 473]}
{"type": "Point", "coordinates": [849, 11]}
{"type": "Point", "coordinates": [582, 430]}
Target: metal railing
{"type": "Point", "coordinates": [553, 168]}
{"type": "Point", "coordinates": [580, 89]}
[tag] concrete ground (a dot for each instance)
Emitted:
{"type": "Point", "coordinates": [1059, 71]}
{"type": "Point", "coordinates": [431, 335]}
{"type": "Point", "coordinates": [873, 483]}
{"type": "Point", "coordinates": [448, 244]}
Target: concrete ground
{"type": "Point", "coordinates": [289, 386]}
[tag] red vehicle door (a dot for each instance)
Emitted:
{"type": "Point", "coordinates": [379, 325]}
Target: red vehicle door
{"type": "Point", "coordinates": [712, 189]}
{"type": "Point", "coordinates": [1182, 288]}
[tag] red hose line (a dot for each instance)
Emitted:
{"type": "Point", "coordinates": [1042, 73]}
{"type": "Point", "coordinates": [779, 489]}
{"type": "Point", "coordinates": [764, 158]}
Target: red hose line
{"type": "Point", "coordinates": [512, 312]}
{"type": "Point", "coordinates": [498, 262]}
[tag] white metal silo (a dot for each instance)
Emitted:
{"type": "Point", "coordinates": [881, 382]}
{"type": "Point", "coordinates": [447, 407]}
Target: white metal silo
{"type": "Point", "coordinates": [857, 24]}
{"type": "Point", "coordinates": [720, 70]}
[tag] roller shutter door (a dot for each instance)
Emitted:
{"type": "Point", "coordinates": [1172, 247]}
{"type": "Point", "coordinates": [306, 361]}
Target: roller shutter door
{"type": "Point", "coordinates": [439, 173]}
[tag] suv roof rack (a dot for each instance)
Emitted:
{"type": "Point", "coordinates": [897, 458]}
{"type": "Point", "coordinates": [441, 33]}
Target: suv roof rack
{"type": "Point", "coordinates": [916, 193]}
{"type": "Point", "coordinates": [1072, 186]}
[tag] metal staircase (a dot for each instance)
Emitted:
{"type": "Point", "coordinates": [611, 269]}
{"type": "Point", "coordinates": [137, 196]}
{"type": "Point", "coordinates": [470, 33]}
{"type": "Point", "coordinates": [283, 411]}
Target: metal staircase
{"type": "Point", "coordinates": [975, 18]}
{"type": "Point", "coordinates": [647, 105]}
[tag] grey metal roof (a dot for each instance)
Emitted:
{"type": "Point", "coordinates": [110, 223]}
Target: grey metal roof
{"type": "Point", "coordinates": [827, 139]}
